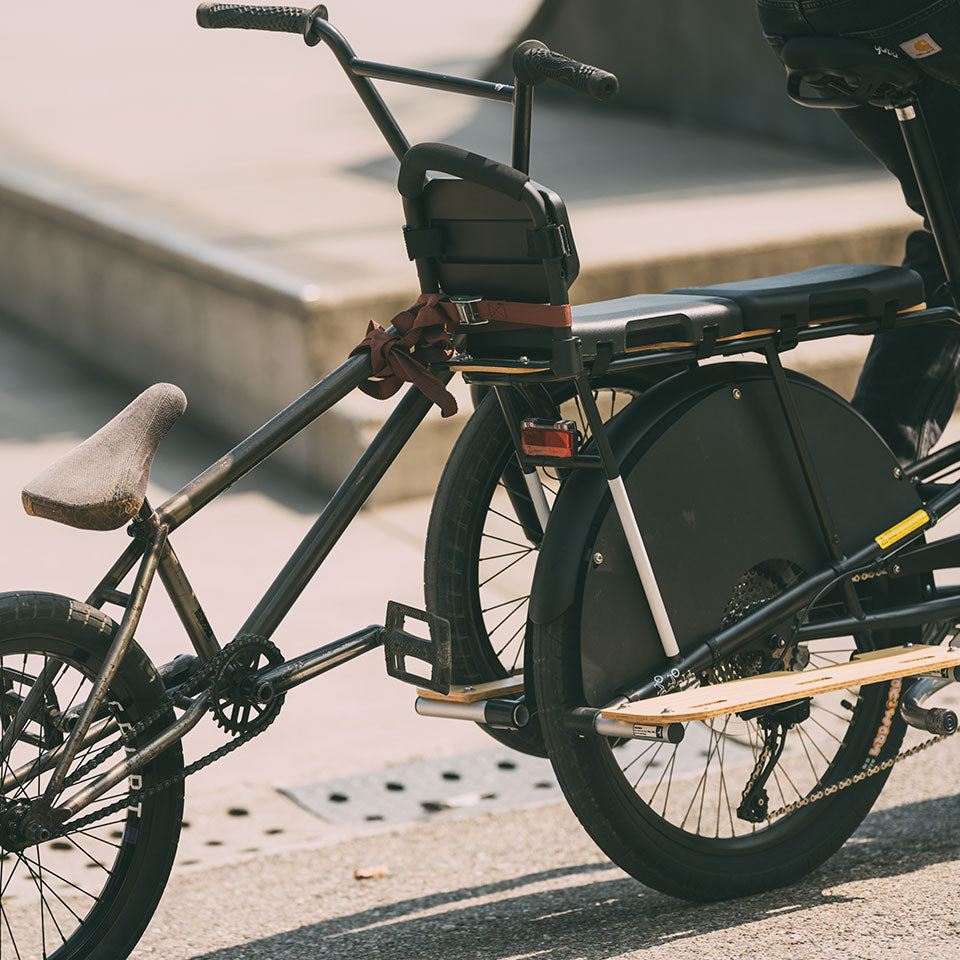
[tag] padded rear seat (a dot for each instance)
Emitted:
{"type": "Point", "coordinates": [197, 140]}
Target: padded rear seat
{"type": "Point", "coordinates": [626, 323]}
{"type": "Point", "coordinates": [796, 300]}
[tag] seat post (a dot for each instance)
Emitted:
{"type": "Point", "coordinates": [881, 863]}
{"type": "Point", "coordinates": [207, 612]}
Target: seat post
{"type": "Point", "coordinates": [933, 190]}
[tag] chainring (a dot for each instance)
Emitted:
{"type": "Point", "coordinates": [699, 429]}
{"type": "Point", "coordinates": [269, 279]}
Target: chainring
{"type": "Point", "coordinates": [236, 708]}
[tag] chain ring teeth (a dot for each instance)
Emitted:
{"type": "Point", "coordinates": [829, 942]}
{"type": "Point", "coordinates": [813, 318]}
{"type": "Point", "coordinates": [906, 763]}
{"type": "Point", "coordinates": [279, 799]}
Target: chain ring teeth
{"type": "Point", "coordinates": [238, 660]}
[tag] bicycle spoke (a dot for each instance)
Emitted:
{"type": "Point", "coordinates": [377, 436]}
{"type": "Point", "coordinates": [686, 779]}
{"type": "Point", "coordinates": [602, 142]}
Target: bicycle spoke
{"type": "Point", "coordinates": [512, 563]}
{"type": "Point", "coordinates": [496, 606]}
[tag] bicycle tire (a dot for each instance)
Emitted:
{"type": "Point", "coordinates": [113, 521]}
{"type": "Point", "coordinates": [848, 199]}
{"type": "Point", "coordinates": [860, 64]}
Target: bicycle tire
{"type": "Point", "coordinates": [666, 841]}
{"type": "Point", "coordinates": [36, 628]}
{"type": "Point", "coordinates": [461, 509]}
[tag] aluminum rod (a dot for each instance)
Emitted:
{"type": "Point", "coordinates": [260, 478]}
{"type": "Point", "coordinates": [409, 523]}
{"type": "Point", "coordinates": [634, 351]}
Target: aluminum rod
{"type": "Point", "coordinates": [135, 761]}
{"type": "Point", "coordinates": [641, 559]}
{"type": "Point", "coordinates": [121, 642]}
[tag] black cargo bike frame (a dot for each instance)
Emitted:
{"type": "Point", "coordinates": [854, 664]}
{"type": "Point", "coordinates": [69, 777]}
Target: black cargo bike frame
{"type": "Point", "coordinates": [151, 531]}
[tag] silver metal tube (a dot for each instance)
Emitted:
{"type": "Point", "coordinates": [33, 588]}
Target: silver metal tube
{"type": "Point", "coordinates": [447, 710]}
{"type": "Point", "coordinates": [642, 561]}
{"type": "Point", "coordinates": [933, 719]}
{"type": "Point", "coordinates": [285, 675]}
{"type": "Point", "coordinates": [500, 713]}
{"type": "Point", "coordinates": [539, 498]}
{"type": "Point", "coordinates": [135, 761]}
{"type": "Point", "coordinates": [121, 642]}
{"type": "Point", "coordinates": [25, 773]}
{"type": "Point", "coordinates": [622, 730]}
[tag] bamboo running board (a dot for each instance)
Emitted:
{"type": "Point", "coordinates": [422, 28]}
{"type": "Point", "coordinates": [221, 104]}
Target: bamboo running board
{"type": "Point", "coordinates": [735, 696]}
{"type": "Point", "coordinates": [507, 687]}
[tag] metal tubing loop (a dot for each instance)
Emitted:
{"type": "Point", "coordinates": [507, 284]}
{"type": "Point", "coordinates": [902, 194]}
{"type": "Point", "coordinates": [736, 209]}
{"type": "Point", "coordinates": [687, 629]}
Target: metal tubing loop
{"type": "Point", "coordinates": [121, 642]}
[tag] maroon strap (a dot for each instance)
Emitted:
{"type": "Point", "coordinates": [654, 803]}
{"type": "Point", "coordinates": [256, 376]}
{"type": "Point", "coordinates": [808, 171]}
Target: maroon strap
{"type": "Point", "coordinates": [420, 338]}
{"type": "Point", "coordinates": [499, 315]}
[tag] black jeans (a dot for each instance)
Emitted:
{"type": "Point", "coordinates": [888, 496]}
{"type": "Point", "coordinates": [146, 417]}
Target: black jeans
{"type": "Point", "coordinates": [911, 379]}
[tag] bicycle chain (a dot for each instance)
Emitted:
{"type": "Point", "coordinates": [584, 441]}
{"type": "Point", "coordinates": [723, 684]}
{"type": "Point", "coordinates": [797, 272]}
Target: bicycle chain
{"type": "Point", "coordinates": [856, 778]}
{"type": "Point", "coordinates": [207, 672]}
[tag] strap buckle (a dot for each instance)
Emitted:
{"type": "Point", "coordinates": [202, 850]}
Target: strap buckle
{"type": "Point", "coordinates": [467, 312]}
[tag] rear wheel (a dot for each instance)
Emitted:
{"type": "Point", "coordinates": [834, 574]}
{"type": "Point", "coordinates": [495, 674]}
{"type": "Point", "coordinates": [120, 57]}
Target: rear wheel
{"type": "Point", "coordinates": [89, 892]}
{"type": "Point", "coordinates": [718, 492]}
{"type": "Point", "coordinates": [668, 814]}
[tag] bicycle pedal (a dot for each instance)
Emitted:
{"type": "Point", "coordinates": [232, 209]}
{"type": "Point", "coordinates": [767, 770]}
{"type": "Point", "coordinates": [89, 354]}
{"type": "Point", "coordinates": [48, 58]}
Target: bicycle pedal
{"type": "Point", "coordinates": [398, 645]}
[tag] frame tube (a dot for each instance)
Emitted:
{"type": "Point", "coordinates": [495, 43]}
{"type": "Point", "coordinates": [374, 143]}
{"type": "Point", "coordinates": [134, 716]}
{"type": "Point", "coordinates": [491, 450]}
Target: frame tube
{"type": "Point", "coordinates": [48, 758]}
{"type": "Point", "coordinates": [282, 677]}
{"type": "Point", "coordinates": [338, 513]}
{"type": "Point", "coordinates": [135, 761]}
{"type": "Point", "coordinates": [120, 645]}
{"type": "Point", "coordinates": [185, 602]}
{"type": "Point", "coordinates": [260, 444]}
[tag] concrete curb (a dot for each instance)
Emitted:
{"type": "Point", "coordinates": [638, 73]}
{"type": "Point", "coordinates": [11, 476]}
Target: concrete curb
{"type": "Point", "coordinates": [148, 303]}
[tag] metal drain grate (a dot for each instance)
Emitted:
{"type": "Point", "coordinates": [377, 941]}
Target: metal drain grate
{"type": "Point", "coordinates": [462, 785]}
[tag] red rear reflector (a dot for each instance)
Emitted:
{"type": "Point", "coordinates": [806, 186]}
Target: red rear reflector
{"type": "Point", "coordinates": [544, 438]}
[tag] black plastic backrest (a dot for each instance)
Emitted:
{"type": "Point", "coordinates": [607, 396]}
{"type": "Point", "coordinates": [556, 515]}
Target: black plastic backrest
{"type": "Point", "coordinates": [491, 232]}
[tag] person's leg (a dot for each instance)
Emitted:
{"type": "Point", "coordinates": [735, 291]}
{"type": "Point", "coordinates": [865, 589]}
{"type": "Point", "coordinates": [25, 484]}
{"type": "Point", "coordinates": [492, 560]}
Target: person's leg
{"type": "Point", "coordinates": [911, 379]}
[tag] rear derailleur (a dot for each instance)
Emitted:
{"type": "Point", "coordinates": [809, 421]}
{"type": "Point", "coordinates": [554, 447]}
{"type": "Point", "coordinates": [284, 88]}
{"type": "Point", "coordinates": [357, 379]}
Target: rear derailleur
{"type": "Point", "coordinates": [775, 722]}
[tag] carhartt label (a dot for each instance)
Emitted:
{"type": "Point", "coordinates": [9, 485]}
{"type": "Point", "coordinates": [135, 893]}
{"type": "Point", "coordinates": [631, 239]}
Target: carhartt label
{"type": "Point", "coordinates": [920, 47]}
{"type": "Point", "coordinates": [914, 522]}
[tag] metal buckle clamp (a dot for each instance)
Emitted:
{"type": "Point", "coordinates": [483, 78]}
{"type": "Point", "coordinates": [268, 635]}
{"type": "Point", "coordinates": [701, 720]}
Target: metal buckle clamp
{"type": "Point", "coordinates": [467, 310]}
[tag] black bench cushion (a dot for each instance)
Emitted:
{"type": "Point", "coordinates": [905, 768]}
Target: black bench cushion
{"type": "Point", "coordinates": [821, 293]}
{"type": "Point", "coordinates": [625, 324]}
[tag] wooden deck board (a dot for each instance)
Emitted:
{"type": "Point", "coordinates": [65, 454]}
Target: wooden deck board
{"type": "Point", "coordinates": [471, 693]}
{"type": "Point", "coordinates": [702, 703]}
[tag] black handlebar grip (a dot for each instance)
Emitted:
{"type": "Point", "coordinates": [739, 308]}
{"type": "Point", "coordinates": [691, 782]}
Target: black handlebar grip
{"type": "Point", "coordinates": [241, 16]}
{"type": "Point", "coordinates": [534, 62]}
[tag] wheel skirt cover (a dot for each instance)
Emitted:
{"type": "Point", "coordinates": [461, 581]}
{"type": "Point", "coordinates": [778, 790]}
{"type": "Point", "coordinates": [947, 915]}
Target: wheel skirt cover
{"type": "Point", "coordinates": [717, 488]}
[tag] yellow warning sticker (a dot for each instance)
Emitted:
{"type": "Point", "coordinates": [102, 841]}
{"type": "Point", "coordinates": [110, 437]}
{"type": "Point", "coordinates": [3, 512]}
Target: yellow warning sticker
{"type": "Point", "coordinates": [914, 522]}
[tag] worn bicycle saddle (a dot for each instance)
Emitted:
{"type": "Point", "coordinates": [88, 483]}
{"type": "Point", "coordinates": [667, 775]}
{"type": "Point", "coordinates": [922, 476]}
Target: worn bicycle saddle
{"type": "Point", "coordinates": [101, 484]}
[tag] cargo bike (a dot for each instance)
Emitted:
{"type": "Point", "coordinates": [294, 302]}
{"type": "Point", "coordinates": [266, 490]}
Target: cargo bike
{"type": "Point", "coordinates": [733, 615]}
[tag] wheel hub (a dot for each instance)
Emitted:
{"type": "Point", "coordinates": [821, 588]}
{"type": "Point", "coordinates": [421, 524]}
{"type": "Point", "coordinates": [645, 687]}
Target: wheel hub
{"type": "Point", "coordinates": [24, 824]}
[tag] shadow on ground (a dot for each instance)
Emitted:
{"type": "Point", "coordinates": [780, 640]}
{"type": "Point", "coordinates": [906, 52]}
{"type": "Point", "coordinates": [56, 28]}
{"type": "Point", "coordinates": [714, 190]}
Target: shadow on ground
{"type": "Point", "coordinates": [585, 915]}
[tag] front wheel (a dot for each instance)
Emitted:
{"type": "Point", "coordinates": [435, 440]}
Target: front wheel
{"type": "Point", "coordinates": [88, 893]}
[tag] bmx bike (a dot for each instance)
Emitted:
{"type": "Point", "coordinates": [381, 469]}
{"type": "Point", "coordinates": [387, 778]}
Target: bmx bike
{"type": "Point", "coordinates": [733, 615]}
